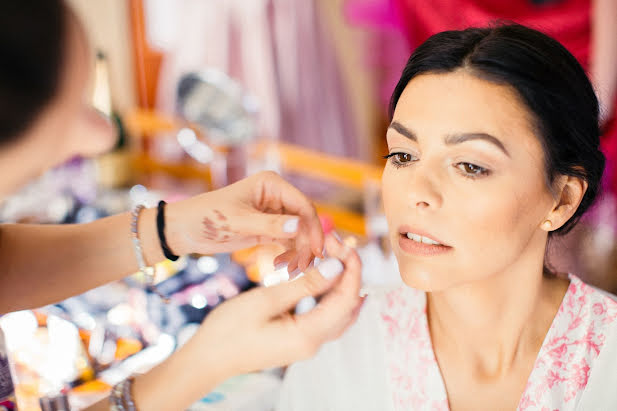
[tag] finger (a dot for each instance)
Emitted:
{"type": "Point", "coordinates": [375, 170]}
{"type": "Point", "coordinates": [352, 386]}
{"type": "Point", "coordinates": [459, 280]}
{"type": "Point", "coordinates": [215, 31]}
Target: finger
{"type": "Point", "coordinates": [293, 264]}
{"type": "Point", "coordinates": [284, 296]}
{"type": "Point", "coordinates": [316, 240]}
{"type": "Point", "coordinates": [311, 238]}
{"type": "Point", "coordinates": [275, 226]}
{"type": "Point", "coordinates": [333, 313]}
{"type": "Point", "coordinates": [305, 257]}
{"type": "Point", "coordinates": [284, 258]}
{"type": "Point", "coordinates": [344, 296]}
{"type": "Point", "coordinates": [301, 269]}
{"type": "Point", "coordinates": [335, 247]}
{"type": "Point", "coordinates": [287, 244]}
{"type": "Point", "coordinates": [303, 247]}
{"type": "Point", "coordinates": [352, 280]}
{"type": "Point", "coordinates": [277, 193]}
{"type": "Point", "coordinates": [328, 321]}
{"type": "Point", "coordinates": [264, 239]}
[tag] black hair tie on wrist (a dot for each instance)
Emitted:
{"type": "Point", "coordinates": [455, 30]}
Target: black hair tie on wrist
{"type": "Point", "coordinates": [160, 226]}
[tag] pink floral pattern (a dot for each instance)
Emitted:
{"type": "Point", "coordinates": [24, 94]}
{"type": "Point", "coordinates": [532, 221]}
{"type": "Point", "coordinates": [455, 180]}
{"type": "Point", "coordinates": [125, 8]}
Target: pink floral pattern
{"type": "Point", "coordinates": [414, 374]}
{"type": "Point", "coordinates": [560, 372]}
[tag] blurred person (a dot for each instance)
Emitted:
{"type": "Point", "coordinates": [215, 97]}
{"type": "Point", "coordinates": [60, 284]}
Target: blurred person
{"type": "Point", "coordinates": [494, 148]}
{"type": "Point", "coordinates": [45, 119]}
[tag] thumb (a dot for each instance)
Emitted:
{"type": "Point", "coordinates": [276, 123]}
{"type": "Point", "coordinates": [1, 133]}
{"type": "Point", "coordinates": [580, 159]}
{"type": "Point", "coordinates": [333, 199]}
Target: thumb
{"type": "Point", "coordinates": [269, 225]}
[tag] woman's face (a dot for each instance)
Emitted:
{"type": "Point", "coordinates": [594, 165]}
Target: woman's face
{"type": "Point", "coordinates": [69, 125]}
{"type": "Point", "coordinates": [466, 171]}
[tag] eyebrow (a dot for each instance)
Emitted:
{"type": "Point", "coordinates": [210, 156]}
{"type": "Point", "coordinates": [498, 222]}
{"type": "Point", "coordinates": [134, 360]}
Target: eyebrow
{"type": "Point", "coordinates": [453, 138]}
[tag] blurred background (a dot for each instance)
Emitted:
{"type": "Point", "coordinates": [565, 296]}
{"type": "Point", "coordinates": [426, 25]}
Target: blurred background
{"type": "Point", "coordinates": [206, 92]}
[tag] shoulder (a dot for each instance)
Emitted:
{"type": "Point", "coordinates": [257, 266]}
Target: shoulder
{"type": "Point", "coordinates": [586, 315]}
{"type": "Point", "coordinates": [602, 307]}
{"type": "Point", "coordinates": [590, 321]}
{"type": "Point", "coordinates": [598, 304]}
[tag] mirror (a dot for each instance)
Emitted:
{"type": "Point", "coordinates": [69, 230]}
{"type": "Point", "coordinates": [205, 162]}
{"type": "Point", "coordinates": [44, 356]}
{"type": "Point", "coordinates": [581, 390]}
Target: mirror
{"type": "Point", "coordinates": [217, 104]}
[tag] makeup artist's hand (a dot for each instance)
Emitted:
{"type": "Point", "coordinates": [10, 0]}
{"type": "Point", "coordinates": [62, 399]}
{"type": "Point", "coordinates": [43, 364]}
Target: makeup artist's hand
{"type": "Point", "coordinates": [258, 209]}
{"type": "Point", "coordinates": [269, 336]}
{"type": "Point", "coordinates": [254, 331]}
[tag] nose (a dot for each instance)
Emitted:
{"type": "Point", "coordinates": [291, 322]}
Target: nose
{"type": "Point", "coordinates": [424, 186]}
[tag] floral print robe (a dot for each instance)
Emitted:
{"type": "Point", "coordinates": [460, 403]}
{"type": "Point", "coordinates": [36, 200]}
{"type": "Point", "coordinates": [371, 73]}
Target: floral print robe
{"type": "Point", "coordinates": [386, 360]}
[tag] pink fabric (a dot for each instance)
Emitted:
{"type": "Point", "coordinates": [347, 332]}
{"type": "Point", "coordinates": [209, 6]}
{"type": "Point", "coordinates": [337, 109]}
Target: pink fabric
{"type": "Point", "coordinates": [414, 374]}
{"type": "Point", "coordinates": [560, 372]}
{"type": "Point", "coordinates": [386, 48]}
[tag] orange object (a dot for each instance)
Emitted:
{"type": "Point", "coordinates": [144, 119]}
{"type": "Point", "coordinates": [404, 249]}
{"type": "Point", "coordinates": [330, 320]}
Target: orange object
{"type": "Point", "coordinates": [41, 318]}
{"type": "Point", "coordinates": [245, 257]}
{"type": "Point", "coordinates": [344, 219]}
{"type": "Point", "coordinates": [253, 273]}
{"type": "Point", "coordinates": [125, 347]}
{"type": "Point", "coordinates": [91, 387]}
{"type": "Point", "coordinates": [84, 335]}
{"type": "Point", "coordinates": [147, 60]}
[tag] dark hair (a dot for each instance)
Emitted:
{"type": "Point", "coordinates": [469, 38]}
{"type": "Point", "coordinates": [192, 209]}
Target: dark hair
{"type": "Point", "coordinates": [32, 36]}
{"type": "Point", "coordinates": [545, 75]}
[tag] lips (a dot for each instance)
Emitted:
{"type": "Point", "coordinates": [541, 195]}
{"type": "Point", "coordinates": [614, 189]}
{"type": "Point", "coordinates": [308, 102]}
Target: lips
{"type": "Point", "coordinates": [418, 232]}
{"type": "Point", "coordinates": [419, 242]}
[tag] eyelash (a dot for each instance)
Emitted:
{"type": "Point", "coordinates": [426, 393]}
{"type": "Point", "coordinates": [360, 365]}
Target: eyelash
{"type": "Point", "coordinates": [394, 160]}
{"type": "Point", "coordinates": [481, 171]}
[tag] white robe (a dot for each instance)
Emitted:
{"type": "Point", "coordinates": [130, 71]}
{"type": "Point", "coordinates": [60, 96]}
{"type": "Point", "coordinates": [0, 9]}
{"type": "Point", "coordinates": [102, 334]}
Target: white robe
{"type": "Point", "coordinates": [385, 361]}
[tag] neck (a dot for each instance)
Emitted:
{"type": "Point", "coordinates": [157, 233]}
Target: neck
{"type": "Point", "coordinates": [499, 320]}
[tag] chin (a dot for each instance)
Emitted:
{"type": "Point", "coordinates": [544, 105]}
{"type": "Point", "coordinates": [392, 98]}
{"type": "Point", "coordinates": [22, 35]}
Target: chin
{"type": "Point", "coordinates": [429, 280]}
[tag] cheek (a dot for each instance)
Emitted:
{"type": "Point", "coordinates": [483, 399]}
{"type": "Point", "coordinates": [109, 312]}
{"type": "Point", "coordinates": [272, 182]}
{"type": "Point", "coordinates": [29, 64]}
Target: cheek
{"type": "Point", "coordinates": [392, 188]}
{"type": "Point", "coordinates": [500, 220]}
{"type": "Point", "coordinates": [92, 134]}
{"type": "Point", "coordinates": [491, 210]}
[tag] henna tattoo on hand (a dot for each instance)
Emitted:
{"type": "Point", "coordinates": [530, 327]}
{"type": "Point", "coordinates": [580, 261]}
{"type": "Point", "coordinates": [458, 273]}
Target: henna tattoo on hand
{"type": "Point", "coordinates": [220, 215]}
{"type": "Point", "coordinates": [213, 232]}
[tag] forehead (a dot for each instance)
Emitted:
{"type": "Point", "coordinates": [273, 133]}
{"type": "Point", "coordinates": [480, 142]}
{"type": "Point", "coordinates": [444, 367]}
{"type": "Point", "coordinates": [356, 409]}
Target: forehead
{"type": "Point", "coordinates": [459, 102]}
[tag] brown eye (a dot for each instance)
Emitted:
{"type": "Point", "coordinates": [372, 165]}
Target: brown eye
{"type": "Point", "coordinates": [472, 169]}
{"type": "Point", "coordinates": [398, 159]}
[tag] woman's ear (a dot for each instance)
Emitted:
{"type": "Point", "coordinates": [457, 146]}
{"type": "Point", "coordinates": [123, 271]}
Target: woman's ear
{"type": "Point", "coordinates": [570, 192]}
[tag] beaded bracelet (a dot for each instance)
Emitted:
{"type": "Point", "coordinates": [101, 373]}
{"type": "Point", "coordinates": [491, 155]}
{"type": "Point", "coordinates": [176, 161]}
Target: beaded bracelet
{"type": "Point", "coordinates": [121, 397]}
{"type": "Point", "coordinates": [148, 272]}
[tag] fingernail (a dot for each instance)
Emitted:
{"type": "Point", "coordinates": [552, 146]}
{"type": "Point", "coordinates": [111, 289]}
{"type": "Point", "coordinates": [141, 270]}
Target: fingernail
{"type": "Point", "coordinates": [294, 273]}
{"type": "Point", "coordinates": [280, 266]}
{"type": "Point", "coordinates": [305, 305]}
{"type": "Point", "coordinates": [330, 268]}
{"type": "Point", "coordinates": [291, 225]}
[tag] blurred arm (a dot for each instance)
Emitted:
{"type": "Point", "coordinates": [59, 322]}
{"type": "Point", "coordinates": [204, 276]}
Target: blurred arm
{"type": "Point", "coordinates": [178, 382]}
{"type": "Point", "coordinates": [43, 264]}
{"type": "Point", "coordinates": [603, 67]}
